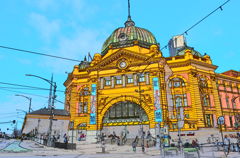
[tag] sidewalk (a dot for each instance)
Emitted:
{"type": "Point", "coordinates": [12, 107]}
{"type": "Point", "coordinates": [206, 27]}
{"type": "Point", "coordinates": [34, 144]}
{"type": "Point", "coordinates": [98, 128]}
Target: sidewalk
{"type": "Point", "coordinates": [113, 151]}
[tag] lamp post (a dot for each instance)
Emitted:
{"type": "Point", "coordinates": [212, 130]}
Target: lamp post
{"type": "Point", "coordinates": [140, 112]}
{"type": "Point", "coordinates": [50, 103]}
{"type": "Point", "coordinates": [30, 101]}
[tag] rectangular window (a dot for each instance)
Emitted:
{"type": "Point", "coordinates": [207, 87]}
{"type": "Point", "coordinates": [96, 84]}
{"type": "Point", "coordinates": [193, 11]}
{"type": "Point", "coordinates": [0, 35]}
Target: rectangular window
{"type": "Point", "coordinates": [231, 121]}
{"type": "Point", "coordinates": [107, 82]}
{"type": "Point", "coordinates": [174, 126]}
{"type": "Point", "coordinates": [141, 78]}
{"type": "Point", "coordinates": [85, 107]}
{"type": "Point", "coordinates": [208, 120]}
{"type": "Point", "coordinates": [80, 107]}
{"type": "Point", "coordinates": [234, 104]}
{"type": "Point", "coordinates": [227, 102]}
{"type": "Point", "coordinates": [129, 79]}
{"type": "Point", "coordinates": [118, 80]}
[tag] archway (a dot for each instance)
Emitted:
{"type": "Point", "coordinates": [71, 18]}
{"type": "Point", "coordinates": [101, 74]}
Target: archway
{"type": "Point", "coordinates": [125, 116]}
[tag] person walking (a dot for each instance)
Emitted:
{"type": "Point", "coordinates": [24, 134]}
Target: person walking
{"type": "Point", "coordinates": [226, 144]}
{"type": "Point", "coordinates": [134, 143]}
{"type": "Point", "coordinates": [158, 141]}
{"type": "Point", "coordinates": [149, 138]}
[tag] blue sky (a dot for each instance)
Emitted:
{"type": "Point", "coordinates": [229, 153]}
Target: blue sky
{"type": "Point", "coordinates": [74, 28]}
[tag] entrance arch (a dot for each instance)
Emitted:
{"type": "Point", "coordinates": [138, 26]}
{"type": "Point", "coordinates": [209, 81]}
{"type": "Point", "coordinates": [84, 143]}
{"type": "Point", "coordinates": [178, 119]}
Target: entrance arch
{"type": "Point", "coordinates": [124, 112]}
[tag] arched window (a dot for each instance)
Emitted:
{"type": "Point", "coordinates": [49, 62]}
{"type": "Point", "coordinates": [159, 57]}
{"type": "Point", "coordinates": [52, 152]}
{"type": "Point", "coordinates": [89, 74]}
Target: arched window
{"type": "Point", "coordinates": [176, 82]}
{"type": "Point", "coordinates": [125, 112]}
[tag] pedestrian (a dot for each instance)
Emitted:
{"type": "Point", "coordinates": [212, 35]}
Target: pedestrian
{"type": "Point", "coordinates": [195, 144]}
{"type": "Point", "coordinates": [134, 143]}
{"type": "Point", "coordinates": [65, 140]}
{"type": "Point", "coordinates": [158, 142]}
{"type": "Point", "coordinates": [226, 144]}
{"type": "Point", "coordinates": [149, 138]}
{"type": "Point", "coordinates": [142, 143]}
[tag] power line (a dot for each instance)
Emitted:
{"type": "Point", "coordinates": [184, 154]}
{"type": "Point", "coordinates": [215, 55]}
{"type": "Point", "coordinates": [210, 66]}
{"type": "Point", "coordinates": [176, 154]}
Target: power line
{"type": "Point", "coordinates": [201, 20]}
{"type": "Point", "coordinates": [30, 94]}
{"type": "Point", "coordinates": [37, 53]}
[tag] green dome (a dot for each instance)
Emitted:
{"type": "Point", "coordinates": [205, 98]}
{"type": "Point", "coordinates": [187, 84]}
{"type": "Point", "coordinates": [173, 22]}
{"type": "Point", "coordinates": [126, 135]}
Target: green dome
{"type": "Point", "coordinates": [193, 51]}
{"type": "Point", "coordinates": [125, 36]}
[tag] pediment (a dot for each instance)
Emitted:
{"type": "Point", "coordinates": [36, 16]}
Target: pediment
{"type": "Point", "coordinates": [112, 60]}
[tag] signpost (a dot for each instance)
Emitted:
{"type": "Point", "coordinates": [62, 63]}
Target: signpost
{"type": "Point", "coordinates": [221, 122]}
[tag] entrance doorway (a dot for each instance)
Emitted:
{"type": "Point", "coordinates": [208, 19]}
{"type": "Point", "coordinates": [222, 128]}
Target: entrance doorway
{"type": "Point", "coordinates": [125, 117]}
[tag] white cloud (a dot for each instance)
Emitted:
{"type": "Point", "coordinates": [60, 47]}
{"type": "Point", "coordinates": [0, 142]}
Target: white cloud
{"type": "Point", "coordinates": [47, 28]}
{"type": "Point", "coordinates": [75, 47]}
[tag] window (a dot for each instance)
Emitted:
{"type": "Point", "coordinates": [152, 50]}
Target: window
{"type": "Point", "coordinates": [178, 102]}
{"type": "Point", "coordinates": [141, 78]}
{"type": "Point", "coordinates": [208, 120]}
{"type": "Point", "coordinates": [107, 82]}
{"type": "Point", "coordinates": [83, 107]}
{"type": "Point", "coordinates": [174, 126]}
{"type": "Point", "coordinates": [227, 102]}
{"type": "Point", "coordinates": [176, 82]}
{"type": "Point", "coordinates": [205, 100]}
{"type": "Point", "coordinates": [80, 107]}
{"type": "Point", "coordinates": [231, 121]}
{"type": "Point", "coordinates": [118, 80]}
{"type": "Point", "coordinates": [234, 103]}
{"type": "Point", "coordinates": [129, 79]}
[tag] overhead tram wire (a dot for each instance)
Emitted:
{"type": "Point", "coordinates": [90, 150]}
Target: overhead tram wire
{"type": "Point", "coordinates": [30, 94]}
{"type": "Point", "coordinates": [39, 88]}
{"type": "Point", "coordinates": [201, 20]}
{"type": "Point", "coordinates": [38, 53]}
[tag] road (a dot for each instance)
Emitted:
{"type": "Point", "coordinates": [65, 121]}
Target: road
{"type": "Point", "coordinates": [31, 149]}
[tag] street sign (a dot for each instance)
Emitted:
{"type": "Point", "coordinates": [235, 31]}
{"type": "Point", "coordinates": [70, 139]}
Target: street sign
{"type": "Point", "coordinates": [221, 120]}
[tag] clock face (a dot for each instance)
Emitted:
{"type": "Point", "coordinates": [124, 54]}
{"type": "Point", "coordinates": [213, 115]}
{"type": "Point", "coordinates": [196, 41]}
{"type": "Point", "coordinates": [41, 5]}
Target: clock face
{"type": "Point", "coordinates": [123, 64]}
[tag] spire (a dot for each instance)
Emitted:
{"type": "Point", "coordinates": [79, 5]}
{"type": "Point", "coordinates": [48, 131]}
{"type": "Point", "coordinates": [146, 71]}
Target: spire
{"type": "Point", "coordinates": [129, 21]}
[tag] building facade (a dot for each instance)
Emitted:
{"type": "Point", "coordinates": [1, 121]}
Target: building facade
{"type": "Point", "coordinates": [131, 86]}
{"type": "Point", "coordinates": [37, 123]}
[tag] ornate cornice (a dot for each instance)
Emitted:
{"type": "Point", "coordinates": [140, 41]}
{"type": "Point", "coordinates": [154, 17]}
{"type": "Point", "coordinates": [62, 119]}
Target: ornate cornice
{"type": "Point", "coordinates": [189, 62]}
{"type": "Point", "coordinates": [226, 77]}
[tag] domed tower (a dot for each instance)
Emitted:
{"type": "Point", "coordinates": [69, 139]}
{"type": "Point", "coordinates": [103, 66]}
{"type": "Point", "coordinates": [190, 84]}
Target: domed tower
{"type": "Point", "coordinates": [128, 36]}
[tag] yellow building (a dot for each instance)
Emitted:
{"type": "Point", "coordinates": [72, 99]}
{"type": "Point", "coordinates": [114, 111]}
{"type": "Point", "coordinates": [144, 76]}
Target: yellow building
{"type": "Point", "coordinates": [131, 86]}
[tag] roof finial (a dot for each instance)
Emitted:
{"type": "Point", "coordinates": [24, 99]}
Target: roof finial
{"type": "Point", "coordinates": [129, 21]}
{"type": "Point", "coordinates": [129, 13]}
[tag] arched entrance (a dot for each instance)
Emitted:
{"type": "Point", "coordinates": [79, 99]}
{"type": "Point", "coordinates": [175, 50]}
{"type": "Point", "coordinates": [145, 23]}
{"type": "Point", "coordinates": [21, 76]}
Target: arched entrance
{"type": "Point", "coordinates": [125, 116]}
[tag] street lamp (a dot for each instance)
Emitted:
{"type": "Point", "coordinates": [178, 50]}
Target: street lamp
{"type": "Point", "coordinates": [139, 75]}
{"type": "Point", "coordinates": [52, 84]}
{"type": "Point", "coordinates": [50, 103]}
{"type": "Point", "coordinates": [29, 98]}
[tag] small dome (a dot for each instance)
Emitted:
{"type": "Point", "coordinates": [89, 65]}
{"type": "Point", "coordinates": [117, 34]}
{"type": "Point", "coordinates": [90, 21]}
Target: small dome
{"type": "Point", "coordinates": [193, 51]}
{"type": "Point", "coordinates": [126, 36]}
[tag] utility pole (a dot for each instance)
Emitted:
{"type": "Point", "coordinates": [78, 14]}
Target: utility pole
{"type": "Point", "coordinates": [50, 103]}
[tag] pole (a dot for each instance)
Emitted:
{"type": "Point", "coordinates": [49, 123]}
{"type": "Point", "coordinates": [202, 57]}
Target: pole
{"type": "Point", "coordinates": [50, 93]}
{"type": "Point", "coordinates": [140, 102]}
{"type": "Point", "coordinates": [51, 111]}
{"type": "Point", "coordinates": [30, 105]}
{"type": "Point", "coordinates": [222, 140]}
{"type": "Point", "coordinates": [72, 133]}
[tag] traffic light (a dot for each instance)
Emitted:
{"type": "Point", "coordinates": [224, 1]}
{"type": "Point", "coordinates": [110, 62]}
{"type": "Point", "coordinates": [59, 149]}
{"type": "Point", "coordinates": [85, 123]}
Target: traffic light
{"type": "Point", "coordinates": [14, 121]}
